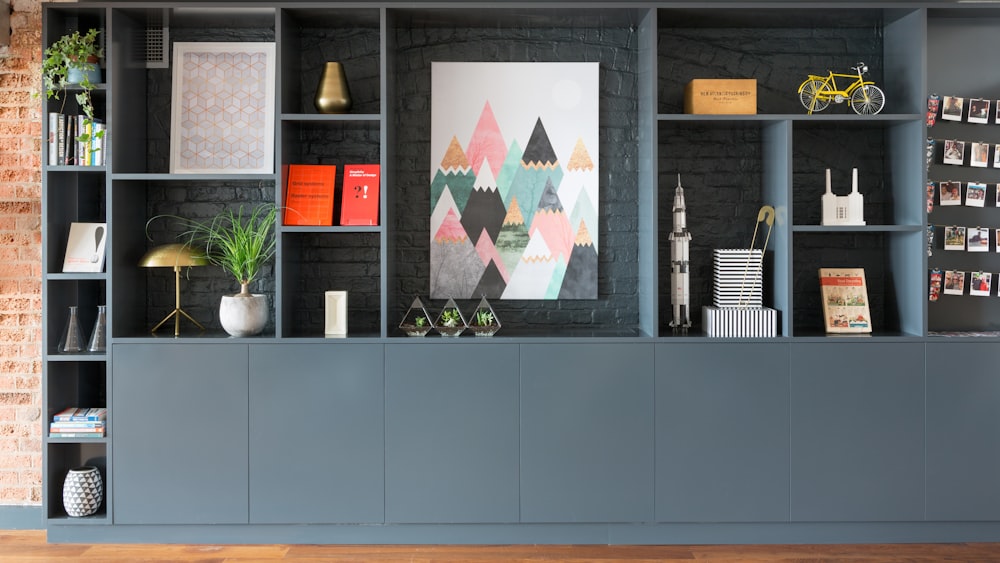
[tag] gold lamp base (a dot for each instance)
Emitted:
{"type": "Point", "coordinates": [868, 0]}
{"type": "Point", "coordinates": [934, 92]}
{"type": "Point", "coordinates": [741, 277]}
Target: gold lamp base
{"type": "Point", "coordinates": [176, 256]}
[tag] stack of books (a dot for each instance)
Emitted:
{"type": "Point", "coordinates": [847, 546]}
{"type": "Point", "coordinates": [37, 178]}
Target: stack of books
{"type": "Point", "coordinates": [79, 422]}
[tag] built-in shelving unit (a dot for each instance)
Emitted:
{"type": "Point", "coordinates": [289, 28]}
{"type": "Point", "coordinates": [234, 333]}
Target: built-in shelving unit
{"type": "Point", "coordinates": [569, 424]}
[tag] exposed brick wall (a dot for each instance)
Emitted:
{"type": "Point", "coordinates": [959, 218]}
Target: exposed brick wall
{"type": "Point", "coordinates": [20, 257]}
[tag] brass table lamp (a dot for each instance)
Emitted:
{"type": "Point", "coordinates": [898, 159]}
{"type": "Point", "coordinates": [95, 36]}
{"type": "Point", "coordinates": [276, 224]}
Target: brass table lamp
{"type": "Point", "coordinates": [176, 256]}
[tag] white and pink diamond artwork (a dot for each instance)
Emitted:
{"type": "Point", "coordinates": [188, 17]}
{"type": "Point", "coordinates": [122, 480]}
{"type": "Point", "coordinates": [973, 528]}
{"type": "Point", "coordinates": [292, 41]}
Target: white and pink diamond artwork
{"type": "Point", "coordinates": [222, 109]}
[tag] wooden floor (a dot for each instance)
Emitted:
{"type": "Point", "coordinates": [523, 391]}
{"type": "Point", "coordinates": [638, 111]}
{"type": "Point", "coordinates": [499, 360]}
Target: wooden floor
{"type": "Point", "coordinates": [30, 547]}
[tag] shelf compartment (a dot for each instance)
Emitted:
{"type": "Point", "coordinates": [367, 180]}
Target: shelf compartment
{"type": "Point", "coordinates": [143, 136]}
{"type": "Point", "coordinates": [311, 37]}
{"type": "Point", "coordinates": [68, 197]}
{"type": "Point", "coordinates": [313, 263]}
{"type": "Point", "coordinates": [725, 169]}
{"type": "Point", "coordinates": [63, 456]}
{"type": "Point", "coordinates": [887, 258]}
{"type": "Point", "coordinates": [332, 142]}
{"type": "Point", "coordinates": [886, 154]}
{"type": "Point", "coordinates": [781, 47]}
{"type": "Point", "coordinates": [144, 296]}
{"type": "Point", "coordinates": [60, 295]}
{"type": "Point", "coordinates": [74, 384]}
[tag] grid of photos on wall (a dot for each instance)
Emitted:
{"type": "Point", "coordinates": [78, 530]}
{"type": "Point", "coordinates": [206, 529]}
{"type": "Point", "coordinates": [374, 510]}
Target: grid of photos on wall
{"type": "Point", "coordinates": [968, 153]}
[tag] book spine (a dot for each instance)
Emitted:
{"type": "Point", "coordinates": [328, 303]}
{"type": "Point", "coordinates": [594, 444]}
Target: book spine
{"type": "Point", "coordinates": [91, 435]}
{"type": "Point", "coordinates": [99, 134]}
{"type": "Point", "coordinates": [76, 414]}
{"type": "Point", "coordinates": [52, 144]}
{"type": "Point", "coordinates": [97, 424]}
{"type": "Point", "coordinates": [69, 146]}
{"type": "Point", "coordinates": [61, 140]}
{"type": "Point", "coordinates": [81, 147]}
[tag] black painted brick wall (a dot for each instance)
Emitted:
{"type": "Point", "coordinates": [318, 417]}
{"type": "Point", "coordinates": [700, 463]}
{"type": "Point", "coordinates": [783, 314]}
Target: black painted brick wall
{"type": "Point", "coordinates": [720, 164]}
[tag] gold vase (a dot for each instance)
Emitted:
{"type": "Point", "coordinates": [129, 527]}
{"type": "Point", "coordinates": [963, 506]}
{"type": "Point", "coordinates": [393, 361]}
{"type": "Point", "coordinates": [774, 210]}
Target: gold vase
{"type": "Point", "coordinates": [332, 94]}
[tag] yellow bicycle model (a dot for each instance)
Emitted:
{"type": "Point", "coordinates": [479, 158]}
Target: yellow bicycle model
{"type": "Point", "coordinates": [865, 97]}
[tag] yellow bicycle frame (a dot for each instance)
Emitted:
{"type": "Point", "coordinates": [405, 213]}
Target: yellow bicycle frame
{"type": "Point", "coordinates": [832, 92]}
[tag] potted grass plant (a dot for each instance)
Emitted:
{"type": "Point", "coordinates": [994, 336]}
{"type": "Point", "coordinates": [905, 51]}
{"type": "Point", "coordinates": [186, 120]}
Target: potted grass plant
{"type": "Point", "coordinates": [241, 243]}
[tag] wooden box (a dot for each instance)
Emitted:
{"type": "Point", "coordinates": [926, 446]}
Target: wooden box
{"type": "Point", "coordinates": [710, 96]}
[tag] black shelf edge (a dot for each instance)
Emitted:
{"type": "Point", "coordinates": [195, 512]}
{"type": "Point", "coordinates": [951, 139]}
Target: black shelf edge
{"type": "Point", "coordinates": [97, 519]}
{"type": "Point", "coordinates": [328, 117]}
{"type": "Point", "coordinates": [101, 440]}
{"type": "Point", "coordinates": [76, 276]}
{"type": "Point", "coordinates": [333, 229]}
{"type": "Point", "coordinates": [81, 357]}
{"type": "Point", "coordinates": [858, 228]}
{"type": "Point", "coordinates": [167, 177]}
{"type": "Point", "coordinates": [74, 168]}
{"type": "Point", "coordinates": [766, 117]}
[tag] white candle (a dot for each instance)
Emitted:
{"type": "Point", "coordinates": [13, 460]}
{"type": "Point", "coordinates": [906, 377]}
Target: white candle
{"type": "Point", "coordinates": [827, 179]}
{"type": "Point", "coordinates": [854, 180]}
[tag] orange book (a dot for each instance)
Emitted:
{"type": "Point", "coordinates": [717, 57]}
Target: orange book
{"type": "Point", "coordinates": [309, 194]}
{"type": "Point", "coordinates": [359, 205]}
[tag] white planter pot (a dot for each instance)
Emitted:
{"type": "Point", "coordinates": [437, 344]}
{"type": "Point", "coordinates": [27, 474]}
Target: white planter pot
{"type": "Point", "coordinates": [244, 315]}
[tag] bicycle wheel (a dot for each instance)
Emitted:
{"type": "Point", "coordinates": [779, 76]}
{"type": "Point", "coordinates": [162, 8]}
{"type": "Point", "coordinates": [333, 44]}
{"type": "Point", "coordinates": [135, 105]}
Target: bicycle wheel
{"type": "Point", "coordinates": [867, 100]}
{"type": "Point", "coordinates": [808, 95]}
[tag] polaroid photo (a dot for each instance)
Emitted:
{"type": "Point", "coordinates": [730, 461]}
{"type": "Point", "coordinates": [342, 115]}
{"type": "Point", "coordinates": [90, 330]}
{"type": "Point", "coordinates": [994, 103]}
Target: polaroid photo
{"type": "Point", "coordinates": [979, 110]}
{"type": "Point", "coordinates": [978, 239]}
{"type": "Point", "coordinates": [954, 151]}
{"type": "Point", "coordinates": [981, 283]}
{"type": "Point", "coordinates": [954, 282]}
{"type": "Point", "coordinates": [975, 194]}
{"type": "Point", "coordinates": [951, 108]}
{"type": "Point", "coordinates": [997, 120]}
{"type": "Point", "coordinates": [996, 156]}
{"type": "Point", "coordinates": [996, 241]}
{"type": "Point", "coordinates": [980, 155]}
{"type": "Point", "coordinates": [954, 238]}
{"type": "Point", "coordinates": [951, 193]}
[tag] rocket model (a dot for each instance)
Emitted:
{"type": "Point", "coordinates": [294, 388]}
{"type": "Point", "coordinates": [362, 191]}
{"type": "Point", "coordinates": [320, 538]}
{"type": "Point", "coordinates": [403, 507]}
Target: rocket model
{"type": "Point", "coordinates": [680, 242]}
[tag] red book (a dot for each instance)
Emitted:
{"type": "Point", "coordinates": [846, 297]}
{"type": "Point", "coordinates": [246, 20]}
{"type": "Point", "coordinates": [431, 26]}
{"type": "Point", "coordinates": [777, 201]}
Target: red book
{"type": "Point", "coordinates": [309, 194]}
{"type": "Point", "coordinates": [359, 205]}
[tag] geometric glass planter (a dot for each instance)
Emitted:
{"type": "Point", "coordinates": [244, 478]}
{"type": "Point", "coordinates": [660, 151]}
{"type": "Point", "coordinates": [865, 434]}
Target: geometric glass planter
{"type": "Point", "coordinates": [484, 321]}
{"type": "Point", "coordinates": [416, 321]}
{"type": "Point", "coordinates": [450, 322]}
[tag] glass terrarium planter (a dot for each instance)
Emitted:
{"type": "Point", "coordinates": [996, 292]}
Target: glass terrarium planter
{"type": "Point", "coordinates": [450, 322]}
{"type": "Point", "coordinates": [416, 321]}
{"type": "Point", "coordinates": [484, 320]}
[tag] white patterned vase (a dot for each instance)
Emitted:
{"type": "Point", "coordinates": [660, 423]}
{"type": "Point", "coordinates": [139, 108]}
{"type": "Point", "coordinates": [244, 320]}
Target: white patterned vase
{"type": "Point", "coordinates": [83, 491]}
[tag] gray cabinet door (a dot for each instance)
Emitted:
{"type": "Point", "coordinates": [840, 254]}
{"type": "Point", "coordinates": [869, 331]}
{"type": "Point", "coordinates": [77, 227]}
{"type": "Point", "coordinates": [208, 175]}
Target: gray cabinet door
{"type": "Point", "coordinates": [451, 432]}
{"type": "Point", "coordinates": [722, 432]}
{"type": "Point", "coordinates": [316, 433]}
{"type": "Point", "coordinates": [857, 431]}
{"type": "Point", "coordinates": [587, 432]}
{"type": "Point", "coordinates": [963, 431]}
{"type": "Point", "coordinates": [180, 433]}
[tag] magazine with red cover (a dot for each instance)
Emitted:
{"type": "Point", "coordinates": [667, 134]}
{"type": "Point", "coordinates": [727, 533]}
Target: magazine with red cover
{"type": "Point", "coordinates": [845, 300]}
{"type": "Point", "coordinates": [309, 194]}
{"type": "Point", "coordinates": [359, 205]}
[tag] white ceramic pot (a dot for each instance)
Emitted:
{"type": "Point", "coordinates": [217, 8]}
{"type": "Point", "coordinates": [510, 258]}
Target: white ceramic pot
{"type": "Point", "coordinates": [244, 314]}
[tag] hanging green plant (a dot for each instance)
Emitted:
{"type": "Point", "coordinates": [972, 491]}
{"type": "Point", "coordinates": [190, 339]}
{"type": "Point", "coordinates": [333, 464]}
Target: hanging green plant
{"type": "Point", "coordinates": [70, 62]}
